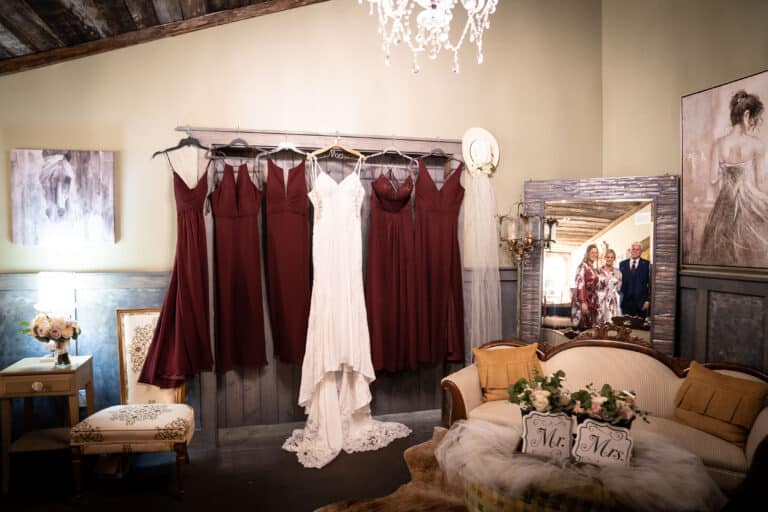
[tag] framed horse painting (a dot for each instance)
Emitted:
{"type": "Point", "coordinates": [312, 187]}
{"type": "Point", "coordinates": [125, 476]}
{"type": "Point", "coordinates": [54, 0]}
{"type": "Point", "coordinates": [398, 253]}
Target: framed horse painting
{"type": "Point", "coordinates": [62, 197]}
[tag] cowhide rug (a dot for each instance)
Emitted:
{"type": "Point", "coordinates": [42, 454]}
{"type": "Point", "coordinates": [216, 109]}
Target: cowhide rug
{"type": "Point", "coordinates": [428, 490]}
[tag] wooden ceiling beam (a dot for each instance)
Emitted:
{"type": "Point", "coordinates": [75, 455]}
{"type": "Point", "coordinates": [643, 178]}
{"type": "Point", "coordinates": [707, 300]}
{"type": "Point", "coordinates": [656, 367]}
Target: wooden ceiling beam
{"type": "Point", "coordinates": [168, 11]}
{"type": "Point", "coordinates": [25, 62]}
{"type": "Point", "coordinates": [193, 8]}
{"type": "Point", "coordinates": [12, 44]}
{"type": "Point", "coordinates": [19, 18]}
{"type": "Point", "coordinates": [618, 221]}
{"type": "Point", "coordinates": [117, 19]}
{"type": "Point", "coordinates": [142, 12]}
{"type": "Point", "coordinates": [66, 17]}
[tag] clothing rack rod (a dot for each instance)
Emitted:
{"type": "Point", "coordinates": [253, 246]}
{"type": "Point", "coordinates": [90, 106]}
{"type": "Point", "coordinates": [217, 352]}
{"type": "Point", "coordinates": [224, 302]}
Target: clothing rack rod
{"type": "Point", "coordinates": [188, 129]}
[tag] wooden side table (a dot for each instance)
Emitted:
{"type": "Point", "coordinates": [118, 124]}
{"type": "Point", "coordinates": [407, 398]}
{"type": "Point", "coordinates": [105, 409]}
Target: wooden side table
{"type": "Point", "coordinates": [31, 377]}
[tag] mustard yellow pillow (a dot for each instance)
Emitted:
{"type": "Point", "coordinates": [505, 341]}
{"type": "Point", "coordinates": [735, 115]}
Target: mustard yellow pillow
{"type": "Point", "coordinates": [502, 367]}
{"type": "Point", "coordinates": [719, 404]}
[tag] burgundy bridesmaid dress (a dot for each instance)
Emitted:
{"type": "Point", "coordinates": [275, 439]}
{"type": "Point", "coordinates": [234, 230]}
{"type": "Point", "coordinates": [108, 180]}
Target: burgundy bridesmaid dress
{"type": "Point", "coordinates": [390, 276]}
{"type": "Point", "coordinates": [181, 343]}
{"type": "Point", "coordinates": [288, 260]}
{"type": "Point", "coordinates": [239, 305]}
{"type": "Point", "coordinates": [439, 270]}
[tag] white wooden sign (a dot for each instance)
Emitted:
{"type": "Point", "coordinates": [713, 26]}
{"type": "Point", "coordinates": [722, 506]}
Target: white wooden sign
{"type": "Point", "coordinates": [547, 434]}
{"type": "Point", "coordinates": [602, 444]}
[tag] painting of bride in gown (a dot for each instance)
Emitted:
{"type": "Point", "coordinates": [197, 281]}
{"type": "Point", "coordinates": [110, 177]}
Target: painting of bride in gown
{"type": "Point", "coordinates": [725, 175]}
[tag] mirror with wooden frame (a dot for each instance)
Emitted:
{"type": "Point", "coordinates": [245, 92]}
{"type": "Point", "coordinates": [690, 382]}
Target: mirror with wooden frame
{"type": "Point", "coordinates": [599, 211]}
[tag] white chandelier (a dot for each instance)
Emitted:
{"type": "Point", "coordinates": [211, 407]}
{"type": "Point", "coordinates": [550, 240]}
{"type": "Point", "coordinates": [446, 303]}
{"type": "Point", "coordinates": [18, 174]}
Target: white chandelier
{"type": "Point", "coordinates": [433, 25]}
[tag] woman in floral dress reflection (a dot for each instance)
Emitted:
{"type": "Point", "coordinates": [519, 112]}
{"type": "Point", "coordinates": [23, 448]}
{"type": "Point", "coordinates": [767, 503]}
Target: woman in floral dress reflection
{"type": "Point", "coordinates": [584, 300]}
{"type": "Point", "coordinates": [608, 289]}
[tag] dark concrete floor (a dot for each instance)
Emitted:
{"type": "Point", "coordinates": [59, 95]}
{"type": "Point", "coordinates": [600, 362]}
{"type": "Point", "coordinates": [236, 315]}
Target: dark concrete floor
{"type": "Point", "coordinates": [248, 471]}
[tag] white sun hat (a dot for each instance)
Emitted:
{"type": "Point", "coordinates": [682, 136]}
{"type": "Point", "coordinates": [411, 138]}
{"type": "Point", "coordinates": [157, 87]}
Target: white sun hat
{"type": "Point", "coordinates": [480, 150]}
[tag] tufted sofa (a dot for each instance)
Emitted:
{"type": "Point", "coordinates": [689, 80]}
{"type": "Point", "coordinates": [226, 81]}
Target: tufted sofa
{"type": "Point", "coordinates": [655, 378]}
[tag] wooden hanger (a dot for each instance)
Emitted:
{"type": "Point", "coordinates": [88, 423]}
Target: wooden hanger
{"type": "Point", "coordinates": [336, 145]}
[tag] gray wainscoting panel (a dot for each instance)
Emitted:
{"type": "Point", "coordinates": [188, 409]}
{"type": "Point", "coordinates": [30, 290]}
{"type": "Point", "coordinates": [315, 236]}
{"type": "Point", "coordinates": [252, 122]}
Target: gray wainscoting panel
{"type": "Point", "coordinates": [687, 323]}
{"type": "Point", "coordinates": [98, 297]}
{"type": "Point", "coordinates": [734, 321]}
{"type": "Point", "coordinates": [242, 397]}
{"type": "Point", "coordinates": [723, 317]}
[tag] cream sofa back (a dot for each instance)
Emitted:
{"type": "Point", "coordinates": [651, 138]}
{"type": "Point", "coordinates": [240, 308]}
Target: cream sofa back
{"type": "Point", "coordinates": [653, 381]}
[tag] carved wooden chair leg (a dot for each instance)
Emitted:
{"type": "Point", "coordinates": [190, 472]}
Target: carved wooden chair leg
{"type": "Point", "coordinates": [186, 454]}
{"type": "Point", "coordinates": [77, 470]}
{"type": "Point", "coordinates": [181, 457]}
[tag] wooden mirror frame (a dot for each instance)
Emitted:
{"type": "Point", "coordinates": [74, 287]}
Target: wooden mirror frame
{"type": "Point", "coordinates": [664, 194]}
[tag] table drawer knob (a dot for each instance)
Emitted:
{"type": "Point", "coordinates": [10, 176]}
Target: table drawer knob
{"type": "Point", "coordinates": [37, 386]}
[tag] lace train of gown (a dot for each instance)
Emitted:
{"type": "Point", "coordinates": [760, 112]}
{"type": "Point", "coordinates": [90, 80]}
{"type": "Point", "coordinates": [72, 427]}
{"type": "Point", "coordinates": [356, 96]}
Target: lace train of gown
{"type": "Point", "coordinates": [337, 368]}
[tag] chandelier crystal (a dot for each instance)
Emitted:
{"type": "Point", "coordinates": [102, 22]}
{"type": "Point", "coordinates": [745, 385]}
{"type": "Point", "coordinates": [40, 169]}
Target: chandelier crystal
{"type": "Point", "coordinates": [432, 30]}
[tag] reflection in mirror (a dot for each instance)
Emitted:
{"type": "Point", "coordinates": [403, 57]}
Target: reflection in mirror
{"type": "Point", "coordinates": [582, 269]}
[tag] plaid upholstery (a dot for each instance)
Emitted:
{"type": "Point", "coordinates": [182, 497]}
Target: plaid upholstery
{"type": "Point", "coordinates": [546, 498]}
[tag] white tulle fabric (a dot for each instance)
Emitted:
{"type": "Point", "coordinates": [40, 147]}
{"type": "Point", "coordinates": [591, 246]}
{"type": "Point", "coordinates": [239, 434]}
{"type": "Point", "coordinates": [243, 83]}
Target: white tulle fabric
{"type": "Point", "coordinates": [481, 259]}
{"type": "Point", "coordinates": [661, 476]}
{"type": "Point", "coordinates": [337, 368]}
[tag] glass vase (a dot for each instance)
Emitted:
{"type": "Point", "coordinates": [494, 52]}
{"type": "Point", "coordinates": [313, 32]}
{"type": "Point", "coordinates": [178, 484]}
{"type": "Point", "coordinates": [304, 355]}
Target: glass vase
{"type": "Point", "coordinates": [61, 355]}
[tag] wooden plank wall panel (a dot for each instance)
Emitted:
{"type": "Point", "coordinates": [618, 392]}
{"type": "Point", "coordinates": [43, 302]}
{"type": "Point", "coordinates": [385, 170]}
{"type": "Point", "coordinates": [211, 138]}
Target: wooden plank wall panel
{"type": "Point", "coordinates": [142, 12]}
{"type": "Point", "coordinates": [663, 191]}
{"type": "Point", "coordinates": [728, 313]}
{"type": "Point", "coordinates": [24, 22]}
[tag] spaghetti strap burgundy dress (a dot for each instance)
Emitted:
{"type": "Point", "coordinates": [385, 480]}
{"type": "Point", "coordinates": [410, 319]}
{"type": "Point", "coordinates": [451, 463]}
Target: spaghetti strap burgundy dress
{"type": "Point", "coordinates": [237, 255]}
{"type": "Point", "coordinates": [440, 295]}
{"type": "Point", "coordinates": [287, 270]}
{"type": "Point", "coordinates": [390, 278]}
{"type": "Point", "coordinates": [181, 344]}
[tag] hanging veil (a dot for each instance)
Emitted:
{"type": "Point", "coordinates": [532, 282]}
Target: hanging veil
{"type": "Point", "coordinates": [481, 259]}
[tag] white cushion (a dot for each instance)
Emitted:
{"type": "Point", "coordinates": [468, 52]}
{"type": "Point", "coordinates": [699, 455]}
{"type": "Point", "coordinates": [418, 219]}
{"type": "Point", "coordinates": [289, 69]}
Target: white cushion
{"type": "Point", "coordinates": [712, 450]}
{"type": "Point", "coordinates": [502, 412]}
{"type": "Point", "coordinates": [135, 427]}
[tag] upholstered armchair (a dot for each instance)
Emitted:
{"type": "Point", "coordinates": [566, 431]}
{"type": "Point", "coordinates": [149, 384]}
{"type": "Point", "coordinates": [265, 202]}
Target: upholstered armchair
{"type": "Point", "coordinates": [149, 419]}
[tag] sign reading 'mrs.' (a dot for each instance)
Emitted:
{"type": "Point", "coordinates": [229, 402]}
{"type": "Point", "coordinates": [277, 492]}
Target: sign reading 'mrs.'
{"type": "Point", "coordinates": [603, 444]}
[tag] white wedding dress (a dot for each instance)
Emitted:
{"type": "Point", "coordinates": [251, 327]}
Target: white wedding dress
{"type": "Point", "coordinates": [337, 368]}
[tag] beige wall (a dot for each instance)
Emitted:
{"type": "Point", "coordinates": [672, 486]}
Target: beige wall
{"type": "Point", "coordinates": [317, 68]}
{"type": "Point", "coordinates": [655, 52]}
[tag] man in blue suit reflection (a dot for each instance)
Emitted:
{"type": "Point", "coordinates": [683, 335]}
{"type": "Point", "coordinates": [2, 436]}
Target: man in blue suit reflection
{"type": "Point", "coordinates": [635, 283]}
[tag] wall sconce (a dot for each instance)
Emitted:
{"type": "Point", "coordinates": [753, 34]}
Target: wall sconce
{"type": "Point", "coordinates": [550, 232]}
{"type": "Point", "coordinates": [524, 232]}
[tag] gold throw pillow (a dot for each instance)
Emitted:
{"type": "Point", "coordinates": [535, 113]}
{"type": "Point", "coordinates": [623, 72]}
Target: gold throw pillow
{"type": "Point", "coordinates": [500, 368]}
{"type": "Point", "coordinates": [721, 405]}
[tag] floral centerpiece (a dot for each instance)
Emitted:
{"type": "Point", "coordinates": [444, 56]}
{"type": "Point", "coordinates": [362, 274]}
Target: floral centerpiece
{"type": "Point", "coordinates": [550, 394]}
{"type": "Point", "coordinates": [56, 331]}
{"type": "Point", "coordinates": [607, 405]}
{"type": "Point", "coordinates": [542, 394]}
